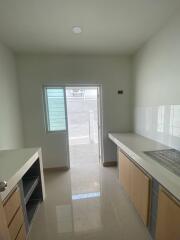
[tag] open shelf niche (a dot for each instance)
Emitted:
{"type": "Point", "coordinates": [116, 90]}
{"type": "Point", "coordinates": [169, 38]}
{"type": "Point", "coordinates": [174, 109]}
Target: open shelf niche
{"type": "Point", "coordinates": [31, 183]}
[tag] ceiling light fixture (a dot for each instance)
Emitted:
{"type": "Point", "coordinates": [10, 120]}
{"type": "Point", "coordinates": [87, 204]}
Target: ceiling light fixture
{"type": "Point", "coordinates": [76, 29]}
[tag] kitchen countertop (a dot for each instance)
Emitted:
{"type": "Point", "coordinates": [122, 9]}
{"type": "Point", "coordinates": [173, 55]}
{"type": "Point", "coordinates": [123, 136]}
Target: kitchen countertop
{"type": "Point", "coordinates": [135, 145]}
{"type": "Point", "coordinates": [15, 163]}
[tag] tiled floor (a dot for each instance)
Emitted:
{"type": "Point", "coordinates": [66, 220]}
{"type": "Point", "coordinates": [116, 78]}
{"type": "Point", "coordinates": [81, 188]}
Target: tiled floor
{"type": "Point", "coordinates": [86, 203]}
{"type": "Point", "coordinates": [84, 154]}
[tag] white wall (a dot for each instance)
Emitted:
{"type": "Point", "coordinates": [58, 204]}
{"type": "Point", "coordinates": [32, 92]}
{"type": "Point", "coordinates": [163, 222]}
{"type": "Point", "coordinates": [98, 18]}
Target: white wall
{"type": "Point", "coordinates": [112, 72]}
{"type": "Point", "coordinates": [157, 86]}
{"type": "Point", "coordinates": [10, 115]}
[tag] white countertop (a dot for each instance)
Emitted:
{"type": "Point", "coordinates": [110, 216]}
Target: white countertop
{"type": "Point", "coordinates": [134, 145]}
{"type": "Point", "coordinates": [14, 164]}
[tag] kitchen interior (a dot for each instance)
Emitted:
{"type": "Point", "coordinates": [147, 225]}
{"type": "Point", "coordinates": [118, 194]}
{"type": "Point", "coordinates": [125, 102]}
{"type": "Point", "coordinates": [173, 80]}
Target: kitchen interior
{"type": "Point", "coordinates": [130, 51]}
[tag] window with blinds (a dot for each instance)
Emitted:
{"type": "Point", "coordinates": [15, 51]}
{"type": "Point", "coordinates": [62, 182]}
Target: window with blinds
{"type": "Point", "coordinates": [55, 109]}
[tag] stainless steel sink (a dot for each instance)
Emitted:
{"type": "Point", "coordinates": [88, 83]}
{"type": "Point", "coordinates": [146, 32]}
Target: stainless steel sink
{"type": "Point", "coordinates": [168, 158]}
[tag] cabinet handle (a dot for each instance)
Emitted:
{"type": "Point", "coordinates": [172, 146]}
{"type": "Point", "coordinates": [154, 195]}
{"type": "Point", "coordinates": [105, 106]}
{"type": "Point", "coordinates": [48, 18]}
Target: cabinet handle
{"type": "Point", "coordinates": [3, 186]}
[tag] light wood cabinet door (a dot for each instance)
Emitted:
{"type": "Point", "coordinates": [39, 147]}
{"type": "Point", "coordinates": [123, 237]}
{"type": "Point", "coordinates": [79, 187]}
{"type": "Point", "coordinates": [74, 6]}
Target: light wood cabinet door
{"type": "Point", "coordinates": [4, 232]}
{"type": "Point", "coordinates": [137, 184]}
{"type": "Point", "coordinates": [140, 192]}
{"type": "Point", "coordinates": [124, 172]}
{"type": "Point", "coordinates": [21, 234]}
{"type": "Point", "coordinates": [16, 224]}
{"type": "Point", "coordinates": [168, 218]}
{"type": "Point", "coordinates": [11, 205]}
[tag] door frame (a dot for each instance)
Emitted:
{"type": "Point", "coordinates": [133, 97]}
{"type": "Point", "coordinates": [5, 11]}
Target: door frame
{"type": "Point", "coordinates": [100, 117]}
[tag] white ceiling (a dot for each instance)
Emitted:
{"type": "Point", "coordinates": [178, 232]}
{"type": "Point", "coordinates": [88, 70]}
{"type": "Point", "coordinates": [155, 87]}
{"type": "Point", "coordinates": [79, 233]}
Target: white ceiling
{"type": "Point", "coordinates": [109, 26]}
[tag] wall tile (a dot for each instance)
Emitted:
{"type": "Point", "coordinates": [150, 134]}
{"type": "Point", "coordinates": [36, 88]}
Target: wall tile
{"type": "Point", "coordinates": [160, 123]}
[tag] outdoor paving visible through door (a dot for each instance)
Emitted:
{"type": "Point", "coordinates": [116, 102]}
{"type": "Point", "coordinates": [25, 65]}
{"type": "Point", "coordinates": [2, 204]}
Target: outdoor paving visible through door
{"type": "Point", "coordinates": [82, 109]}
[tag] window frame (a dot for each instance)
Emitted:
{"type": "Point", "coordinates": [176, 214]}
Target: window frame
{"type": "Point", "coordinates": [46, 109]}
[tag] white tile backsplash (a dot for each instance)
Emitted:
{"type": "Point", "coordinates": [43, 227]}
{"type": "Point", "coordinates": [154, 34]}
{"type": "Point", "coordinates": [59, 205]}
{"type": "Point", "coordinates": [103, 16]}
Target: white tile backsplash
{"type": "Point", "coordinates": [160, 123]}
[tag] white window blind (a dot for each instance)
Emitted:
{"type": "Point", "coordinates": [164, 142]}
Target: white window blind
{"type": "Point", "coordinates": [55, 109]}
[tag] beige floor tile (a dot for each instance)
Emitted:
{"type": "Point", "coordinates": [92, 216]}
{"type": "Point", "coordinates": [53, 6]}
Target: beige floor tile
{"type": "Point", "coordinates": [88, 203]}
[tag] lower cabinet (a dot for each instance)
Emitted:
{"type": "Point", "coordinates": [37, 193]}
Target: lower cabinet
{"type": "Point", "coordinates": [124, 172]}
{"type": "Point", "coordinates": [16, 224]}
{"type": "Point", "coordinates": [140, 192]}
{"type": "Point", "coordinates": [14, 215]}
{"type": "Point", "coordinates": [137, 184]}
{"type": "Point", "coordinates": [21, 234]}
{"type": "Point", "coordinates": [168, 217]}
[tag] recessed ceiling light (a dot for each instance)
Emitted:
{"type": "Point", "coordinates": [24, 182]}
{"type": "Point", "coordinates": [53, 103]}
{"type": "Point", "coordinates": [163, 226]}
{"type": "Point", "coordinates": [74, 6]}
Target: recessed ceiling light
{"type": "Point", "coordinates": [76, 29]}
